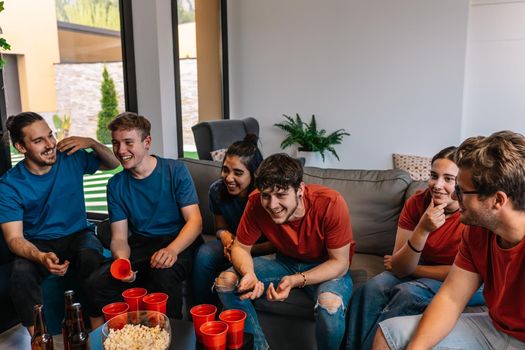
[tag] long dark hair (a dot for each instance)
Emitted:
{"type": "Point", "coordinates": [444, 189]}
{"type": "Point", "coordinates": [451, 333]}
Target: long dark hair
{"type": "Point", "coordinates": [249, 155]}
{"type": "Point", "coordinates": [446, 153]}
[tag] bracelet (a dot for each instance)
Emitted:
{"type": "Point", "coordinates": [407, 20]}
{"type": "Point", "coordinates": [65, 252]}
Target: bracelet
{"type": "Point", "coordinates": [413, 248]}
{"type": "Point", "coordinates": [304, 279]}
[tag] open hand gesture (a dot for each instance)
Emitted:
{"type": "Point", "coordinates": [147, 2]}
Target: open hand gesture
{"type": "Point", "coordinates": [282, 291]}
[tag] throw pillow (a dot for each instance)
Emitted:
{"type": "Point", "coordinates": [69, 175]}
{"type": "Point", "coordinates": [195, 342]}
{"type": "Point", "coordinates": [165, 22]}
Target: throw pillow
{"type": "Point", "coordinates": [218, 155]}
{"type": "Point", "coordinates": [418, 167]}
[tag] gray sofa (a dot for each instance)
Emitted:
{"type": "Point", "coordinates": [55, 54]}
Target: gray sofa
{"type": "Point", "coordinates": [375, 199]}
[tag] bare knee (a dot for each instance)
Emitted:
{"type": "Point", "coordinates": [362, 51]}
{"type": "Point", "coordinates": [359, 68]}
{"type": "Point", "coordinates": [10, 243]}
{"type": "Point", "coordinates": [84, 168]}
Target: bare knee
{"type": "Point", "coordinates": [380, 341]}
{"type": "Point", "coordinates": [330, 302]}
{"type": "Point", "coordinates": [226, 282]}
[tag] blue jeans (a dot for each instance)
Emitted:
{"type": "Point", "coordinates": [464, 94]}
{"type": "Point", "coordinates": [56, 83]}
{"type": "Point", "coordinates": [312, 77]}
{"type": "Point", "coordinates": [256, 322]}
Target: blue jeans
{"type": "Point", "coordinates": [209, 262]}
{"type": "Point", "coordinates": [473, 331]}
{"type": "Point", "coordinates": [386, 296]}
{"type": "Point", "coordinates": [330, 326]}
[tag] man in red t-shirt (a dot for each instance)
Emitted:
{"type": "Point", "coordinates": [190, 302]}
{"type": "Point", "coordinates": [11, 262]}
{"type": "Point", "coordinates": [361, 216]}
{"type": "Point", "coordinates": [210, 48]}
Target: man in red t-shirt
{"type": "Point", "coordinates": [309, 225]}
{"type": "Point", "coordinates": [491, 192]}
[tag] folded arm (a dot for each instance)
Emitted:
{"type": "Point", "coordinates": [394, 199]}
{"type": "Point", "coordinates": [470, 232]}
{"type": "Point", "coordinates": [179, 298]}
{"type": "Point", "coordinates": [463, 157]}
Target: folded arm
{"type": "Point", "coordinates": [405, 259]}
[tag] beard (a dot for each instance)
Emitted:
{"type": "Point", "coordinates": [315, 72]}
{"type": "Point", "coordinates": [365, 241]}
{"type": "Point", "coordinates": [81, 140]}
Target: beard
{"type": "Point", "coordinates": [42, 160]}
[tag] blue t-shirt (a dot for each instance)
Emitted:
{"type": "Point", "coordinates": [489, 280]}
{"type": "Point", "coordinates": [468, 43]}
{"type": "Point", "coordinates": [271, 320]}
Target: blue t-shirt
{"type": "Point", "coordinates": [152, 205]}
{"type": "Point", "coordinates": [230, 208]}
{"type": "Point", "coordinates": [50, 205]}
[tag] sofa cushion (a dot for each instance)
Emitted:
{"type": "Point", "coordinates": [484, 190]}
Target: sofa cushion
{"type": "Point", "coordinates": [415, 187]}
{"type": "Point", "coordinates": [375, 199]}
{"type": "Point", "coordinates": [204, 173]}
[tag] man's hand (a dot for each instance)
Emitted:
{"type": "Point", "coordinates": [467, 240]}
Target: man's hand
{"type": "Point", "coordinates": [74, 143]}
{"type": "Point", "coordinates": [131, 278]}
{"type": "Point", "coordinates": [163, 258]}
{"type": "Point", "coordinates": [250, 287]}
{"type": "Point", "coordinates": [387, 262]}
{"type": "Point", "coordinates": [51, 262]}
{"type": "Point", "coordinates": [227, 238]}
{"type": "Point", "coordinates": [282, 291]}
{"type": "Point", "coordinates": [433, 218]}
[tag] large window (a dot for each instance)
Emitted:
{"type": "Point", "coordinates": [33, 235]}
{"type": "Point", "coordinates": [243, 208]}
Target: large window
{"type": "Point", "coordinates": [201, 43]}
{"type": "Point", "coordinates": [70, 71]}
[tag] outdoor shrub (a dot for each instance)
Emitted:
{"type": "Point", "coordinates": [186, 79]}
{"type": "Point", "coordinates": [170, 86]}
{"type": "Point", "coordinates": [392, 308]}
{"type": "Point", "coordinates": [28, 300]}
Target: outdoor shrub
{"type": "Point", "coordinates": [109, 106]}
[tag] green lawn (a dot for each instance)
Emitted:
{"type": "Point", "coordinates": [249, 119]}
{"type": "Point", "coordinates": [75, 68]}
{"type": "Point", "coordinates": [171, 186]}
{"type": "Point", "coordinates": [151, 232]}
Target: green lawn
{"type": "Point", "coordinates": [95, 185]}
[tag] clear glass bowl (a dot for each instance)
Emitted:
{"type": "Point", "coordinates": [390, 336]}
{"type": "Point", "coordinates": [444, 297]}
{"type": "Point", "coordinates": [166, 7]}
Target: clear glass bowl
{"type": "Point", "coordinates": [148, 319]}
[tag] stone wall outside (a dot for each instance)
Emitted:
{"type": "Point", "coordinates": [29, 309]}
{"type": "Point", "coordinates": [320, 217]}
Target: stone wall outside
{"type": "Point", "coordinates": [78, 95]}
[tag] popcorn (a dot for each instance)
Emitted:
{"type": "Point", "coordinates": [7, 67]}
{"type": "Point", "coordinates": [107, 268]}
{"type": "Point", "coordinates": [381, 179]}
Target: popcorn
{"type": "Point", "coordinates": [137, 337]}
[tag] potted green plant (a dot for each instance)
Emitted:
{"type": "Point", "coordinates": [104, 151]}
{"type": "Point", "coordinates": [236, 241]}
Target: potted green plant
{"type": "Point", "coordinates": [308, 137]}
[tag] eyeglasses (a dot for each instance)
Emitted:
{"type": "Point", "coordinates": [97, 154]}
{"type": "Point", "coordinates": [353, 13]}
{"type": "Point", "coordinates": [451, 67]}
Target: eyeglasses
{"type": "Point", "coordinates": [460, 192]}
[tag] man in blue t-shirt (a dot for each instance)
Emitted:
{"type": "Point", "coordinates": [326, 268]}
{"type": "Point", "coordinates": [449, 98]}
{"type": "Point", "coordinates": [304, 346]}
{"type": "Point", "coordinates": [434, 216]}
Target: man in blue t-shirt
{"type": "Point", "coordinates": [154, 200]}
{"type": "Point", "coordinates": [42, 211]}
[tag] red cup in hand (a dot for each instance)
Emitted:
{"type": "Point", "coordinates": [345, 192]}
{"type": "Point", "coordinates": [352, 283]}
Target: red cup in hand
{"type": "Point", "coordinates": [121, 268]}
{"type": "Point", "coordinates": [201, 314]}
{"type": "Point", "coordinates": [156, 302]}
{"type": "Point", "coordinates": [235, 320]}
{"type": "Point", "coordinates": [214, 335]}
{"type": "Point", "coordinates": [133, 297]}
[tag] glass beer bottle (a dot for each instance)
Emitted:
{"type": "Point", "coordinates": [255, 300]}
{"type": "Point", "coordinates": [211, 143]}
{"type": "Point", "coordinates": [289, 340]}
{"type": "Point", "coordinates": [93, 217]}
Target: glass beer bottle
{"type": "Point", "coordinates": [68, 317]}
{"type": "Point", "coordinates": [41, 339]}
{"type": "Point", "coordinates": [78, 336]}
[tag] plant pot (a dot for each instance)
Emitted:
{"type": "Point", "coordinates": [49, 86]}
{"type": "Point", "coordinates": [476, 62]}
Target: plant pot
{"type": "Point", "coordinates": [312, 159]}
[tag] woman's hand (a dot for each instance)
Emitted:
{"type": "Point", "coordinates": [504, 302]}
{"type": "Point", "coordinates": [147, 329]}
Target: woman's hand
{"type": "Point", "coordinates": [433, 218]}
{"type": "Point", "coordinates": [227, 238]}
{"type": "Point", "coordinates": [387, 262]}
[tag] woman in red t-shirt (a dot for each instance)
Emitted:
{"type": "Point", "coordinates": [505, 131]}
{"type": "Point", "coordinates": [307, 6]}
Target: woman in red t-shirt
{"type": "Point", "coordinates": [427, 240]}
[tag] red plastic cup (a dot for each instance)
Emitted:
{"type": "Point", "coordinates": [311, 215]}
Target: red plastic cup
{"type": "Point", "coordinates": [120, 268]}
{"type": "Point", "coordinates": [214, 335]}
{"type": "Point", "coordinates": [133, 297]}
{"type": "Point", "coordinates": [156, 302]}
{"type": "Point", "coordinates": [235, 320]}
{"type": "Point", "coordinates": [201, 314]}
{"type": "Point", "coordinates": [114, 309]}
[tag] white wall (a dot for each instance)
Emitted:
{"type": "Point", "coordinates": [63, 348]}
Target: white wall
{"type": "Point", "coordinates": [389, 72]}
{"type": "Point", "coordinates": [155, 72]}
{"type": "Point", "coordinates": [495, 74]}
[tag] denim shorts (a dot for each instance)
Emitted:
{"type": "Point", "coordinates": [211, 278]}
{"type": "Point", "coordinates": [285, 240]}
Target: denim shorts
{"type": "Point", "coordinates": [473, 331]}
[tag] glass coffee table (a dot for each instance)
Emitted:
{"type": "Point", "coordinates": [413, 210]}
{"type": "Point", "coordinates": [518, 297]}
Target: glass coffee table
{"type": "Point", "coordinates": [182, 337]}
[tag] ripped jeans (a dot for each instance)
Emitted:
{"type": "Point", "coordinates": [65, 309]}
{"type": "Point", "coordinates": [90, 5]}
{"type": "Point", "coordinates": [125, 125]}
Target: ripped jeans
{"type": "Point", "coordinates": [386, 296]}
{"type": "Point", "coordinates": [330, 324]}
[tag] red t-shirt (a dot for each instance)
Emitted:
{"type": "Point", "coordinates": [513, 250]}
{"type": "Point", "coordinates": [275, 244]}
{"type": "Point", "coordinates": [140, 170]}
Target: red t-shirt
{"type": "Point", "coordinates": [325, 225]}
{"type": "Point", "coordinates": [442, 244]}
{"type": "Point", "coordinates": [503, 272]}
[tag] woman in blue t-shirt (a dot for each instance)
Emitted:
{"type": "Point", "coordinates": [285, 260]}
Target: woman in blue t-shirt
{"type": "Point", "coordinates": [227, 198]}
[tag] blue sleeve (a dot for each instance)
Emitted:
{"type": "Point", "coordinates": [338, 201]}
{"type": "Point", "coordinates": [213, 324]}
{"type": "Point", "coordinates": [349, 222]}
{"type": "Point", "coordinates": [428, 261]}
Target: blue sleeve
{"type": "Point", "coordinates": [116, 210]}
{"type": "Point", "coordinates": [10, 204]}
{"type": "Point", "coordinates": [185, 192]}
{"type": "Point", "coordinates": [88, 161]}
{"type": "Point", "coordinates": [213, 198]}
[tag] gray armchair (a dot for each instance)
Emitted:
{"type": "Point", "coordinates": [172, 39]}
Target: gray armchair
{"type": "Point", "coordinates": [217, 134]}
